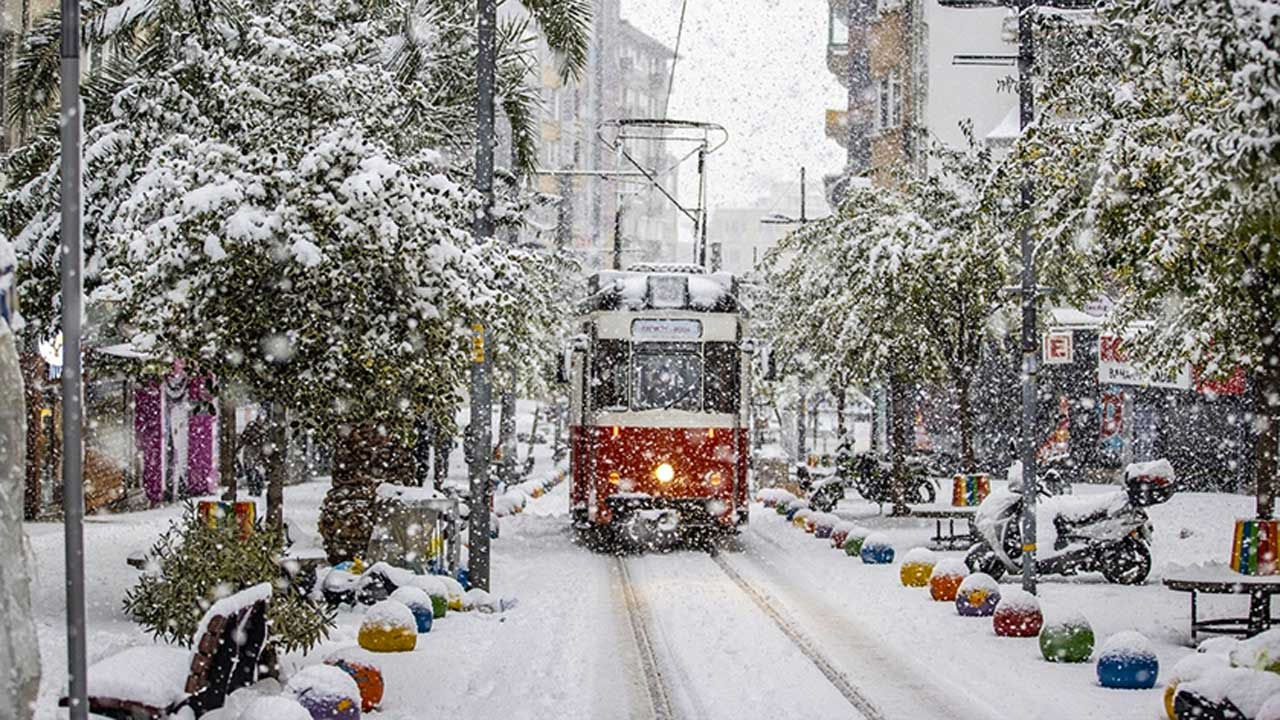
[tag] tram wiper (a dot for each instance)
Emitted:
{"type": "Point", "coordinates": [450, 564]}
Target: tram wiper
{"type": "Point", "coordinates": [688, 391]}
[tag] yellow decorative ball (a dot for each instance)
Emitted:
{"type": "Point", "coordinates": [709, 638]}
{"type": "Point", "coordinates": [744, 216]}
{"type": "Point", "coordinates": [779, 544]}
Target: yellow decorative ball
{"type": "Point", "coordinates": [388, 626]}
{"type": "Point", "coordinates": [917, 567]}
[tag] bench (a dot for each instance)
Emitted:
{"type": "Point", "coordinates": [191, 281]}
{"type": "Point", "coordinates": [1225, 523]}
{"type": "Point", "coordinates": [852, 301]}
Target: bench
{"type": "Point", "coordinates": [952, 540]}
{"type": "Point", "coordinates": [1222, 580]}
{"type": "Point", "coordinates": [154, 682]}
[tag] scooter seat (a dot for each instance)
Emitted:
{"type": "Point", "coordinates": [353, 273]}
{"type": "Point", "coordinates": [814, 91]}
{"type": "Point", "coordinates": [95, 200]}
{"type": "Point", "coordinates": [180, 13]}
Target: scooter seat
{"type": "Point", "coordinates": [1065, 524]}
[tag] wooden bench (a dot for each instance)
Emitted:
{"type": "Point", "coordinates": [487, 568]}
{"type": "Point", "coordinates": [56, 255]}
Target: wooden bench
{"type": "Point", "coordinates": [154, 682]}
{"type": "Point", "coordinates": [1222, 580]}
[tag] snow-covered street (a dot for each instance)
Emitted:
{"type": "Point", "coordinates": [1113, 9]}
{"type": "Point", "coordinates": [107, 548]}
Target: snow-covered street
{"type": "Point", "coordinates": [774, 623]}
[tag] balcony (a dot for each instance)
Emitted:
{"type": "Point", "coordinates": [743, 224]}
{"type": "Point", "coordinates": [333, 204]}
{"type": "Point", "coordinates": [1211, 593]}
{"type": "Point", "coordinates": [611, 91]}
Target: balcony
{"type": "Point", "coordinates": [837, 127]}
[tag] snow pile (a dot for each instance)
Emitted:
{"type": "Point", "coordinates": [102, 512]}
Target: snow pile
{"type": "Point", "coordinates": [1161, 468]}
{"type": "Point", "coordinates": [481, 601]}
{"type": "Point", "coordinates": [389, 615]}
{"type": "Point", "coordinates": [1128, 644]}
{"type": "Point", "coordinates": [409, 596]}
{"type": "Point", "coordinates": [322, 684]}
{"type": "Point", "coordinates": [1066, 619]}
{"type": "Point", "coordinates": [510, 502]}
{"type": "Point", "coordinates": [1247, 689]}
{"type": "Point", "coordinates": [278, 707]}
{"type": "Point", "coordinates": [950, 567]}
{"type": "Point", "coordinates": [430, 584]}
{"type": "Point", "coordinates": [154, 676]}
{"type": "Point", "coordinates": [919, 556]}
{"type": "Point", "coordinates": [1017, 600]}
{"type": "Point", "coordinates": [1270, 710]}
{"type": "Point", "coordinates": [878, 540]}
{"type": "Point", "coordinates": [1260, 652]}
{"type": "Point", "coordinates": [233, 604]}
{"type": "Point", "coordinates": [979, 582]}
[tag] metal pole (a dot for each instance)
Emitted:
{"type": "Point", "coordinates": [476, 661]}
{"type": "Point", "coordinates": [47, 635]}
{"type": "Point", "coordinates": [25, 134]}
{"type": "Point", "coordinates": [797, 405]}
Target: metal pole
{"type": "Point", "coordinates": [804, 408]}
{"type": "Point", "coordinates": [72, 386]}
{"type": "Point", "coordinates": [702, 206]}
{"type": "Point", "coordinates": [617, 235]}
{"type": "Point", "coordinates": [1030, 348]}
{"type": "Point", "coordinates": [481, 393]}
{"type": "Point", "coordinates": [803, 218]}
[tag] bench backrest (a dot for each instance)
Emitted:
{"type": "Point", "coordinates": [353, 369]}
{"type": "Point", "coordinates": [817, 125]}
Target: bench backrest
{"type": "Point", "coordinates": [225, 656]}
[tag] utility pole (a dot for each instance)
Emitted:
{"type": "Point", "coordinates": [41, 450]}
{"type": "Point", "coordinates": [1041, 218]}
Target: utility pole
{"type": "Point", "coordinates": [1028, 292]}
{"type": "Point", "coordinates": [1030, 347]}
{"type": "Point", "coordinates": [72, 276]}
{"type": "Point", "coordinates": [617, 234]}
{"type": "Point", "coordinates": [481, 430]}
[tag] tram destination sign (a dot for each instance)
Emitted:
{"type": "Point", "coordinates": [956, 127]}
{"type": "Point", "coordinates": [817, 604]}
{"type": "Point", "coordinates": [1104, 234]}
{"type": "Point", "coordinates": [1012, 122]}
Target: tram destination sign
{"type": "Point", "coordinates": [666, 329]}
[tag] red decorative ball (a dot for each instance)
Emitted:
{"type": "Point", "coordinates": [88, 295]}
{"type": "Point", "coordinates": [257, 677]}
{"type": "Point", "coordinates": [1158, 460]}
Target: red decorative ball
{"type": "Point", "coordinates": [1018, 615]}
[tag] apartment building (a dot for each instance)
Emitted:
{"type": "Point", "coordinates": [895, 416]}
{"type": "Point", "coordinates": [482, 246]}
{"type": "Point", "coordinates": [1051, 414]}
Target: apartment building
{"type": "Point", "coordinates": [627, 77]}
{"type": "Point", "coordinates": [914, 71]}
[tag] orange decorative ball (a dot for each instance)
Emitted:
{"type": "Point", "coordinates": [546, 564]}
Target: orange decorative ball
{"type": "Point", "coordinates": [945, 581]}
{"type": "Point", "coordinates": [368, 679]}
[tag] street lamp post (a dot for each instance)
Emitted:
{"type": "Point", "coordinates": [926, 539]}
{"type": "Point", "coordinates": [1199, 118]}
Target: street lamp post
{"type": "Point", "coordinates": [1028, 291]}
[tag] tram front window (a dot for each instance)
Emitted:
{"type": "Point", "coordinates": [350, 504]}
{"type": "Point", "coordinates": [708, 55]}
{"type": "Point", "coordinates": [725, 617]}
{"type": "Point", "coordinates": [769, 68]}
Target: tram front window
{"type": "Point", "coordinates": [666, 379]}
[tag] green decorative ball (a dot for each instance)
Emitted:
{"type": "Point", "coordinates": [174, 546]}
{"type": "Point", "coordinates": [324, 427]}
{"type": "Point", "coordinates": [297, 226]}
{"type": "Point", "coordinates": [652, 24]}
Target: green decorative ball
{"type": "Point", "coordinates": [439, 606]}
{"type": "Point", "coordinates": [1069, 641]}
{"type": "Point", "coordinates": [853, 545]}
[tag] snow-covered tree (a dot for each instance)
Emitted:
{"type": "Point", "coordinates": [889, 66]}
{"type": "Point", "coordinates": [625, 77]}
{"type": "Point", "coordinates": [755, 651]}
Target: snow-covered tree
{"type": "Point", "coordinates": [283, 201]}
{"type": "Point", "coordinates": [896, 287]}
{"type": "Point", "coordinates": [1160, 152]}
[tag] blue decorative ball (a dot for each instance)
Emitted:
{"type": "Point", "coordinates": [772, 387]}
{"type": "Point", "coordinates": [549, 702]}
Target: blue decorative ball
{"type": "Point", "coordinates": [876, 550]}
{"type": "Point", "coordinates": [1127, 662]}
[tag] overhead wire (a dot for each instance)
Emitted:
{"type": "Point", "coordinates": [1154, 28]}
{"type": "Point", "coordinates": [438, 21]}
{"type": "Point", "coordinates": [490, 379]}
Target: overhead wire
{"type": "Point", "coordinates": [675, 56]}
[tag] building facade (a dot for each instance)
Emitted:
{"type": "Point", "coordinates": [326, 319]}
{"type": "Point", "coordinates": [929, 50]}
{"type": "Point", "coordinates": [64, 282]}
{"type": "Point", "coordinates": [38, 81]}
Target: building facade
{"type": "Point", "coordinates": [601, 196]}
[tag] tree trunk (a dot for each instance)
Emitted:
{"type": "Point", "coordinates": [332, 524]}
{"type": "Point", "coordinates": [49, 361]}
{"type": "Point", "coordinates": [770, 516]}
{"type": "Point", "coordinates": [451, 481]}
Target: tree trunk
{"type": "Point", "coordinates": [1268, 411]}
{"type": "Point", "coordinates": [839, 392]}
{"type": "Point", "coordinates": [899, 422]}
{"type": "Point", "coordinates": [227, 442]}
{"type": "Point", "coordinates": [276, 467]}
{"type": "Point", "coordinates": [968, 459]}
{"type": "Point", "coordinates": [507, 437]}
{"type": "Point", "coordinates": [533, 432]}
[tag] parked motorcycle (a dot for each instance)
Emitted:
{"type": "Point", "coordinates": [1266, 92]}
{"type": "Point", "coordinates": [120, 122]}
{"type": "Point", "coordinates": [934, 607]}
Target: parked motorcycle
{"type": "Point", "coordinates": [873, 478]}
{"type": "Point", "coordinates": [821, 490]}
{"type": "Point", "coordinates": [1108, 533]}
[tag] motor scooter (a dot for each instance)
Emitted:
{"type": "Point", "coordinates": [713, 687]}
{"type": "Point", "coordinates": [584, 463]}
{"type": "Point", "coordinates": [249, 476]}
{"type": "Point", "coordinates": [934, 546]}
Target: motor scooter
{"type": "Point", "coordinates": [873, 479]}
{"type": "Point", "coordinates": [1108, 533]}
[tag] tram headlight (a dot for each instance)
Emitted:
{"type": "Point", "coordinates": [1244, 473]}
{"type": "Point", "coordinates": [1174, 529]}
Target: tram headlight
{"type": "Point", "coordinates": [665, 473]}
{"type": "Point", "coordinates": [715, 478]}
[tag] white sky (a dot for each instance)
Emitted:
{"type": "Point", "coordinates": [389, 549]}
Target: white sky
{"type": "Point", "coordinates": [758, 67]}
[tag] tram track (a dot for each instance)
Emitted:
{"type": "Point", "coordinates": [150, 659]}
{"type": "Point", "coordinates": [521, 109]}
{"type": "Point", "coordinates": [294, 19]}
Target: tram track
{"type": "Point", "coordinates": [659, 697]}
{"type": "Point", "coordinates": [652, 661]}
{"type": "Point", "coordinates": [801, 641]}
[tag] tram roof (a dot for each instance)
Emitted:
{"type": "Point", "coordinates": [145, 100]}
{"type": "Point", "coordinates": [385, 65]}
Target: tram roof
{"type": "Point", "coordinates": [662, 288]}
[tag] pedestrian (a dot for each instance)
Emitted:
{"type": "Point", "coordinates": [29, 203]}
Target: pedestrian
{"type": "Point", "coordinates": [252, 455]}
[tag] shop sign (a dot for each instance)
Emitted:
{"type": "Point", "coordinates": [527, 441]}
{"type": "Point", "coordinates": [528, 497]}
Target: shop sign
{"type": "Point", "coordinates": [1058, 348]}
{"type": "Point", "coordinates": [1114, 368]}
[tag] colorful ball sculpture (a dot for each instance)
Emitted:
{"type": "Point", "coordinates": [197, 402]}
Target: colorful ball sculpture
{"type": "Point", "coordinates": [917, 566]}
{"type": "Point", "coordinates": [853, 543]}
{"type": "Point", "coordinates": [801, 518]}
{"type": "Point", "coordinates": [977, 596]}
{"type": "Point", "coordinates": [1017, 614]}
{"type": "Point", "coordinates": [326, 692]}
{"type": "Point", "coordinates": [388, 626]}
{"type": "Point", "coordinates": [1127, 662]}
{"type": "Point", "coordinates": [876, 550]}
{"type": "Point", "coordinates": [419, 603]}
{"type": "Point", "coordinates": [840, 533]}
{"type": "Point", "coordinates": [824, 524]}
{"type": "Point", "coordinates": [364, 671]}
{"type": "Point", "coordinates": [1067, 639]}
{"type": "Point", "coordinates": [945, 579]}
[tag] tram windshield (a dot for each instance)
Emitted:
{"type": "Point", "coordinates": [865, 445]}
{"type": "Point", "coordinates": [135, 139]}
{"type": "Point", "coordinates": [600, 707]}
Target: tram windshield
{"type": "Point", "coordinates": [666, 378]}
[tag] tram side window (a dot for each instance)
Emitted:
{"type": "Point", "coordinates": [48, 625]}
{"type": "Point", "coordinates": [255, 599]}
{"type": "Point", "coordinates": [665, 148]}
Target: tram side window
{"type": "Point", "coordinates": [721, 384]}
{"type": "Point", "coordinates": [609, 374]}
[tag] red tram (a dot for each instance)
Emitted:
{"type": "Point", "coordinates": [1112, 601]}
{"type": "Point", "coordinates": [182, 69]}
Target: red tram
{"type": "Point", "coordinates": [659, 388]}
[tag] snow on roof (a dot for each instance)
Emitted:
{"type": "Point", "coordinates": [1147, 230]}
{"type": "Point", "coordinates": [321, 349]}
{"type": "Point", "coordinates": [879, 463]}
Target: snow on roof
{"type": "Point", "coordinates": [1008, 129]}
{"type": "Point", "coordinates": [1072, 319]}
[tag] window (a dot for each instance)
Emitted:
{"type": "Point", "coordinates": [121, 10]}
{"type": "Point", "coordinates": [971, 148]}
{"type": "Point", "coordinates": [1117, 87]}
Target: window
{"type": "Point", "coordinates": [884, 101]}
{"type": "Point", "coordinates": [889, 99]}
{"type": "Point", "coordinates": [667, 376]}
{"type": "Point", "coordinates": [895, 85]}
{"type": "Point", "coordinates": [722, 390]}
{"type": "Point", "coordinates": [609, 375]}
